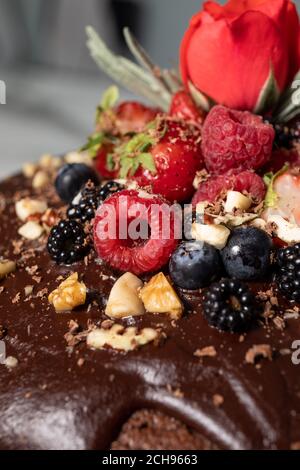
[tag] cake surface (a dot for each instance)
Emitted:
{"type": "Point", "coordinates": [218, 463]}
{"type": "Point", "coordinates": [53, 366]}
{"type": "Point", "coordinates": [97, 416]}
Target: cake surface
{"type": "Point", "coordinates": [62, 395]}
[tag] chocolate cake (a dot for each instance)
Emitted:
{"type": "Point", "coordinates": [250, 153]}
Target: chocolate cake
{"type": "Point", "coordinates": [150, 281]}
{"type": "Point", "coordinates": [196, 388]}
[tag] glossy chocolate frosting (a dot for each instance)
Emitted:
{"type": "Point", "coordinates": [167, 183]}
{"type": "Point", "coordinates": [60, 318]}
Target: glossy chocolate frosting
{"type": "Point", "coordinates": [51, 400]}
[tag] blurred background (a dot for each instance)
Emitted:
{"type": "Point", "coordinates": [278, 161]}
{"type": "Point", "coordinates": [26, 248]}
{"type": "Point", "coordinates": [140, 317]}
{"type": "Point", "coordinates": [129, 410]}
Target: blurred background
{"type": "Point", "coordinates": [52, 84]}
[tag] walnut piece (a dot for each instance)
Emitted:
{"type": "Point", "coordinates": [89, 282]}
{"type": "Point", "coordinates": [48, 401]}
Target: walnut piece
{"type": "Point", "coordinates": [236, 200]}
{"type": "Point", "coordinates": [31, 230]}
{"type": "Point", "coordinates": [124, 300]}
{"type": "Point", "coordinates": [40, 179]}
{"type": "Point", "coordinates": [215, 235]}
{"type": "Point", "coordinates": [120, 338]}
{"type": "Point", "coordinates": [159, 296]}
{"type": "Point", "coordinates": [27, 207]}
{"type": "Point", "coordinates": [6, 267]}
{"type": "Point", "coordinates": [70, 294]}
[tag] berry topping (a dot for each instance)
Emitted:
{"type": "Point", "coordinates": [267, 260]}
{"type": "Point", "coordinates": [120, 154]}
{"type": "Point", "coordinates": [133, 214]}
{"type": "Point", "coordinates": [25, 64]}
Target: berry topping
{"type": "Point", "coordinates": [164, 158]}
{"type": "Point", "coordinates": [217, 186]}
{"type": "Point", "coordinates": [131, 233]}
{"type": "Point", "coordinates": [71, 178]}
{"type": "Point", "coordinates": [247, 254]}
{"type": "Point", "coordinates": [183, 107]}
{"type": "Point", "coordinates": [90, 199]}
{"type": "Point", "coordinates": [235, 139]}
{"type": "Point", "coordinates": [288, 276]}
{"type": "Point", "coordinates": [230, 306]}
{"type": "Point", "coordinates": [67, 242]}
{"type": "Point", "coordinates": [287, 134]}
{"type": "Point", "coordinates": [194, 265]}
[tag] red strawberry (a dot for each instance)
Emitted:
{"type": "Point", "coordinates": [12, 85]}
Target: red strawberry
{"type": "Point", "coordinates": [164, 159]}
{"type": "Point", "coordinates": [217, 186]}
{"type": "Point", "coordinates": [183, 107]}
{"type": "Point", "coordinates": [130, 253]}
{"type": "Point", "coordinates": [127, 117]}
{"type": "Point", "coordinates": [132, 116]}
{"type": "Point", "coordinates": [102, 163]}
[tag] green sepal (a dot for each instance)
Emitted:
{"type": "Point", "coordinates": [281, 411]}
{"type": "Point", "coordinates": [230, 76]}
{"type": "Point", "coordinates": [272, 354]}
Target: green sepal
{"type": "Point", "coordinates": [271, 197]}
{"type": "Point", "coordinates": [269, 94]}
{"type": "Point", "coordinates": [109, 99]}
{"type": "Point", "coordinates": [135, 153]}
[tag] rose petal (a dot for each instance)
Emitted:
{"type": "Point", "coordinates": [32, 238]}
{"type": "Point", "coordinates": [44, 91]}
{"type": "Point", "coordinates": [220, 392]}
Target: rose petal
{"type": "Point", "coordinates": [230, 61]}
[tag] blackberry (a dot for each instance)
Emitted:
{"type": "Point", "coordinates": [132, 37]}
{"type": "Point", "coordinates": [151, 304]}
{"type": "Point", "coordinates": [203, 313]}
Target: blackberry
{"type": "Point", "coordinates": [110, 188]}
{"type": "Point", "coordinates": [287, 134]}
{"type": "Point", "coordinates": [67, 242]}
{"type": "Point", "coordinates": [288, 274]}
{"type": "Point", "coordinates": [230, 306]}
{"type": "Point", "coordinates": [91, 198]}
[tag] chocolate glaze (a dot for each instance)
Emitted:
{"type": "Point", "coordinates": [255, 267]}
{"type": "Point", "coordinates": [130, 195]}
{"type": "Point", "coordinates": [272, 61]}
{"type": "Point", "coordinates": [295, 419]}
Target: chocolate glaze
{"type": "Point", "coordinates": [48, 401]}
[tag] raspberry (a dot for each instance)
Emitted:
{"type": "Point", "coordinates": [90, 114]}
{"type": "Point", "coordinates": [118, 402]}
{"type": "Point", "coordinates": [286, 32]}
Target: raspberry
{"type": "Point", "coordinates": [145, 254]}
{"type": "Point", "coordinates": [217, 186]}
{"type": "Point", "coordinates": [235, 139]}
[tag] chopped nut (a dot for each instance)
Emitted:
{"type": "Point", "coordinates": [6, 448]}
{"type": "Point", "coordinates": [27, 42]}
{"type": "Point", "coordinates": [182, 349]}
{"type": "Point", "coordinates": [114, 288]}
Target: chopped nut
{"type": "Point", "coordinates": [49, 162]}
{"type": "Point", "coordinates": [120, 338]}
{"type": "Point", "coordinates": [26, 207]}
{"type": "Point", "coordinates": [28, 290]}
{"type": "Point", "coordinates": [259, 223]}
{"type": "Point", "coordinates": [286, 231]}
{"type": "Point", "coordinates": [29, 169]}
{"type": "Point", "coordinates": [6, 267]}
{"type": "Point", "coordinates": [257, 351]}
{"type": "Point", "coordinates": [215, 235]}
{"type": "Point", "coordinates": [40, 179]}
{"type": "Point", "coordinates": [70, 294]}
{"type": "Point", "coordinates": [236, 200]}
{"type": "Point", "coordinates": [78, 157]}
{"type": "Point", "coordinates": [49, 219]}
{"type": "Point", "coordinates": [218, 400]}
{"type": "Point", "coordinates": [11, 362]}
{"type": "Point", "coordinates": [124, 300]}
{"type": "Point", "coordinates": [208, 351]}
{"type": "Point", "coordinates": [31, 230]}
{"type": "Point", "coordinates": [159, 296]}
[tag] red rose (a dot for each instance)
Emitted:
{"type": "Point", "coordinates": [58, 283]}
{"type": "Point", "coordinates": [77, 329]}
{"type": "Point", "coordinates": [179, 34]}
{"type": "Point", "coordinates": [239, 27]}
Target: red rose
{"type": "Point", "coordinates": [229, 52]}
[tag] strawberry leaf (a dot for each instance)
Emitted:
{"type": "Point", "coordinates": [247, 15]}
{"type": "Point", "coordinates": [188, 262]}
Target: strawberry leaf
{"type": "Point", "coordinates": [94, 143]}
{"type": "Point", "coordinates": [269, 179]}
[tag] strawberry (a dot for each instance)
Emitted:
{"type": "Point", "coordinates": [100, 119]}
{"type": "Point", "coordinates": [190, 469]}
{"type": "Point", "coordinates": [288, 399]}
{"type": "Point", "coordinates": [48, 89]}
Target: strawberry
{"type": "Point", "coordinates": [164, 158]}
{"type": "Point", "coordinates": [102, 162]}
{"type": "Point", "coordinates": [127, 252]}
{"type": "Point", "coordinates": [183, 107]}
{"type": "Point", "coordinates": [132, 116]}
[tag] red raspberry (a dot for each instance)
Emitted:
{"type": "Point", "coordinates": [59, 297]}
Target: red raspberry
{"type": "Point", "coordinates": [235, 139]}
{"type": "Point", "coordinates": [135, 255]}
{"type": "Point", "coordinates": [215, 187]}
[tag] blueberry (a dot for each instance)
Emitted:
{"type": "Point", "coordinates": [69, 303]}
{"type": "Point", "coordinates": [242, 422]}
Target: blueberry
{"type": "Point", "coordinates": [71, 178]}
{"type": "Point", "coordinates": [194, 265]}
{"type": "Point", "coordinates": [247, 255]}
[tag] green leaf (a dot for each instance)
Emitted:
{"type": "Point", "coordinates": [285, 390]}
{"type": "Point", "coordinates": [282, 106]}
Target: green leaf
{"type": "Point", "coordinates": [147, 162]}
{"type": "Point", "coordinates": [269, 179]}
{"type": "Point", "coordinates": [110, 162]}
{"type": "Point", "coordinates": [94, 143]}
{"type": "Point", "coordinates": [110, 98]}
{"type": "Point", "coordinates": [269, 94]}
